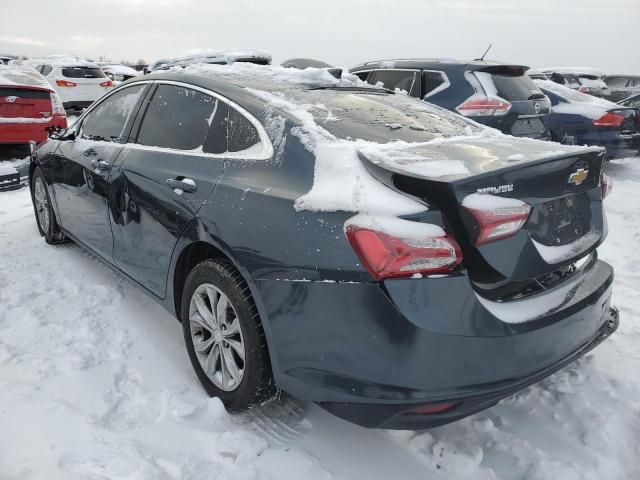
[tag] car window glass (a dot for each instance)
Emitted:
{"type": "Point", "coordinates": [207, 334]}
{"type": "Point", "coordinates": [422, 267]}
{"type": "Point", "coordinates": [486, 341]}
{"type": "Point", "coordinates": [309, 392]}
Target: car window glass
{"type": "Point", "coordinates": [616, 82]}
{"type": "Point", "coordinates": [216, 141]}
{"type": "Point", "coordinates": [107, 121]}
{"type": "Point", "coordinates": [242, 134]}
{"type": "Point", "coordinates": [177, 117]}
{"type": "Point", "coordinates": [514, 88]}
{"type": "Point", "coordinates": [46, 69]}
{"type": "Point", "coordinates": [432, 80]}
{"type": "Point", "coordinates": [395, 79]}
{"type": "Point", "coordinates": [363, 76]}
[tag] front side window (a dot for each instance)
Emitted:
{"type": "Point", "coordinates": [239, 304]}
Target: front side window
{"type": "Point", "coordinates": [178, 118]}
{"type": "Point", "coordinates": [396, 80]}
{"type": "Point", "coordinates": [107, 121]}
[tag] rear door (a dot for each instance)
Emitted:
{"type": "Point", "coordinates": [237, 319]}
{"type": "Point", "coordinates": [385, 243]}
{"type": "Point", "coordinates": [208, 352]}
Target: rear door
{"type": "Point", "coordinates": [166, 173]}
{"type": "Point", "coordinates": [87, 161]}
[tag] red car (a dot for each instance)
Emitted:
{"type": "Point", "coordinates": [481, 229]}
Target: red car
{"type": "Point", "coordinates": [28, 105]}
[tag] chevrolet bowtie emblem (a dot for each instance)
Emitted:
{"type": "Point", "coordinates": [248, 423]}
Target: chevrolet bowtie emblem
{"type": "Point", "coordinates": [578, 176]}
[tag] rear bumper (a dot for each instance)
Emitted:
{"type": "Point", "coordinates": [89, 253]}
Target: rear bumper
{"type": "Point", "coordinates": [622, 146]}
{"type": "Point", "coordinates": [17, 133]}
{"type": "Point", "coordinates": [77, 104]}
{"type": "Point", "coordinates": [400, 417]}
{"type": "Point", "coordinates": [382, 349]}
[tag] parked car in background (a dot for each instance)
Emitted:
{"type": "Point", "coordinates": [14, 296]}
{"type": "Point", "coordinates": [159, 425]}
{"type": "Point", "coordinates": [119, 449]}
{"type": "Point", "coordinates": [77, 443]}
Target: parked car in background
{"type": "Point", "coordinates": [580, 119]}
{"type": "Point", "coordinates": [585, 80]}
{"type": "Point", "coordinates": [5, 58]}
{"type": "Point", "coordinates": [302, 63]}
{"type": "Point", "coordinates": [622, 86]}
{"type": "Point", "coordinates": [370, 276]}
{"type": "Point", "coordinates": [119, 73]}
{"type": "Point", "coordinates": [214, 57]}
{"type": "Point", "coordinates": [78, 83]}
{"type": "Point", "coordinates": [28, 106]}
{"type": "Point", "coordinates": [494, 94]}
{"type": "Point", "coordinates": [633, 101]}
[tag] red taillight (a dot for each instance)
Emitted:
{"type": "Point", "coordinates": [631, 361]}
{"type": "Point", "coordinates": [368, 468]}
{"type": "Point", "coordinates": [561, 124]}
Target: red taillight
{"type": "Point", "coordinates": [609, 119]}
{"type": "Point", "coordinates": [386, 256]}
{"type": "Point", "coordinates": [433, 408]}
{"type": "Point", "coordinates": [65, 83]}
{"type": "Point", "coordinates": [607, 185]}
{"type": "Point", "coordinates": [107, 83]}
{"type": "Point", "coordinates": [497, 217]}
{"type": "Point", "coordinates": [476, 106]}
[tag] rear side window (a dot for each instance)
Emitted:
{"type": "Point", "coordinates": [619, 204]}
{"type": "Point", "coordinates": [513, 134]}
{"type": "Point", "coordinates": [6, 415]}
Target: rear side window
{"type": "Point", "coordinates": [242, 134]}
{"type": "Point", "coordinates": [44, 69]}
{"type": "Point", "coordinates": [82, 72]}
{"type": "Point", "coordinates": [178, 118]}
{"type": "Point", "coordinates": [432, 80]}
{"type": "Point", "coordinates": [516, 88]}
{"type": "Point", "coordinates": [107, 121]}
{"type": "Point", "coordinates": [397, 79]}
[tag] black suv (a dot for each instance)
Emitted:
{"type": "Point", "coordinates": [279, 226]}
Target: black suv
{"type": "Point", "coordinates": [495, 94]}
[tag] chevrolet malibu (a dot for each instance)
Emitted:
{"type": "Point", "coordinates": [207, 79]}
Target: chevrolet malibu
{"type": "Point", "coordinates": [399, 265]}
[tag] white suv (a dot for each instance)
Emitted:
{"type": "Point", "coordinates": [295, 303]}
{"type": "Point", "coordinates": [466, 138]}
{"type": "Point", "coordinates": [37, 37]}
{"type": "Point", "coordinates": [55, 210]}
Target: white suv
{"type": "Point", "coordinates": [77, 82]}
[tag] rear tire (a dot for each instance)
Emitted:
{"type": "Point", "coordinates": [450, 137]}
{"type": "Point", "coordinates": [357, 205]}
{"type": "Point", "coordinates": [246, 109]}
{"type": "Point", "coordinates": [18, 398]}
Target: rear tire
{"type": "Point", "coordinates": [224, 336]}
{"type": "Point", "coordinates": [45, 216]}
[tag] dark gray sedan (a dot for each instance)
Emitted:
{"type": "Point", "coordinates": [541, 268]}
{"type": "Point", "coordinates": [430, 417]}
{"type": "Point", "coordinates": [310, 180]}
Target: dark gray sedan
{"type": "Point", "coordinates": [392, 261]}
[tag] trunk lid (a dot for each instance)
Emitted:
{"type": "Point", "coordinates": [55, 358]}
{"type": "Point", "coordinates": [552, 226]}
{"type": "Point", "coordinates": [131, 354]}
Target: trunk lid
{"type": "Point", "coordinates": [20, 102]}
{"type": "Point", "coordinates": [561, 185]}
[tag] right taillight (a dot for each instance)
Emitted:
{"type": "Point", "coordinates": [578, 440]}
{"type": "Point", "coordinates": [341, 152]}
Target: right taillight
{"type": "Point", "coordinates": [385, 255]}
{"type": "Point", "coordinates": [65, 83]}
{"type": "Point", "coordinates": [609, 119]}
{"type": "Point", "coordinates": [607, 185]}
{"type": "Point", "coordinates": [57, 108]}
{"type": "Point", "coordinates": [497, 217]}
{"type": "Point", "coordinates": [483, 106]}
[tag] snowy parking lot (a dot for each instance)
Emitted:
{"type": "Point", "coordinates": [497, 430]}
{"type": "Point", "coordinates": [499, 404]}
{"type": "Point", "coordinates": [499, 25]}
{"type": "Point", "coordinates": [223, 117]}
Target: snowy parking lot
{"type": "Point", "coordinates": [95, 383]}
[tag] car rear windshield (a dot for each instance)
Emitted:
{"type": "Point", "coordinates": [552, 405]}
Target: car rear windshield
{"type": "Point", "coordinates": [82, 72]}
{"type": "Point", "coordinates": [24, 93]}
{"type": "Point", "coordinates": [515, 88]}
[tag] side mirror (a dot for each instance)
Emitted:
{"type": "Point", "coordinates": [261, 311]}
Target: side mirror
{"type": "Point", "coordinates": [54, 131]}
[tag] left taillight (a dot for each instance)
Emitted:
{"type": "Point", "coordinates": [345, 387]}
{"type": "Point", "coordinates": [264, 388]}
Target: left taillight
{"type": "Point", "coordinates": [483, 106]}
{"type": "Point", "coordinates": [66, 83]}
{"type": "Point", "coordinates": [609, 119]}
{"type": "Point", "coordinates": [107, 83]}
{"type": "Point", "coordinates": [385, 255]}
{"type": "Point", "coordinates": [497, 217]}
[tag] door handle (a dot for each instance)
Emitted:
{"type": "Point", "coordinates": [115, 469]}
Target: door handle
{"type": "Point", "coordinates": [181, 183]}
{"type": "Point", "coordinates": [100, 165]}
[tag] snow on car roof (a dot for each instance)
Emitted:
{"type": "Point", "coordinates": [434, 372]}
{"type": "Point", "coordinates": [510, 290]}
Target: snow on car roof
{"type": "Point", "coordinates": [62, 61]}
{"type": "Point", "coordinates": [569, 70]}
{"type": "Point", "coordinates": [215, 56]}
{"type": "Point", "coordinates": [120, 69]}
{"type": "Point", "coordinates": [572, 94]}
{"type": "Point", "coordinates": [11, 75]}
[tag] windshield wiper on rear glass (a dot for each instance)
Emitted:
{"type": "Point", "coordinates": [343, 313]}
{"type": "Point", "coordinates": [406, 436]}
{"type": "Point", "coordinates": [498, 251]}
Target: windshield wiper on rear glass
{"type": "Point", "coordinates": [536, 95]}
{"type": "Point", "coordinates": [355, 89]}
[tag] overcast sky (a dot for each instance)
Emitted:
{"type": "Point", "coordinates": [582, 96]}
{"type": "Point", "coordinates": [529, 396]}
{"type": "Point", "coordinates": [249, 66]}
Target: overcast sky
{"type": "Point", "coordinates": [597, 33]}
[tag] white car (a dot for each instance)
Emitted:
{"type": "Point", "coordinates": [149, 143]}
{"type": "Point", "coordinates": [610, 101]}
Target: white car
{"type": "Point", "coordinates": [584, 79]}
{"type": "Point", "coordinates": [78, 83]}
{"type": "Point", "coordinates": [119, 73]}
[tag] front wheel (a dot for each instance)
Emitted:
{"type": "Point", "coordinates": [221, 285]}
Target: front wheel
{"type": "Point", "coordinates": [45, 216]}
{"type": "Point", "coordinates": [224, 336]}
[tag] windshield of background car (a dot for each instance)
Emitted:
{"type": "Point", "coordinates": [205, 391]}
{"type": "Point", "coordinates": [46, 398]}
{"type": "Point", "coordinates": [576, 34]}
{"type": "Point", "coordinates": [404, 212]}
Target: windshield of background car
{"type": "Point", "coordinates": [82, 72]}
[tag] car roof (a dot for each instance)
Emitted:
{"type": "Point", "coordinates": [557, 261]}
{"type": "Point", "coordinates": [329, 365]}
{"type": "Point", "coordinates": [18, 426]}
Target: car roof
{"type": "Point", "coordinates": [424, 63]}
{"type": "Point", "coordinates": [215, 56]}
{"type": "Point", "coordinates": [14, 76]}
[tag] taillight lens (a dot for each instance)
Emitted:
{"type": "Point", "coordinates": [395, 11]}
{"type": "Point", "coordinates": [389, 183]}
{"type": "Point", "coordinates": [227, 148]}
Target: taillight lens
{"type": "Point", "coordinates": [609, 119]}
{"type": "Point", "coordinates": [433, 408]}
{"type": "Point", "coordinates": [607, 185]}
{"type": "Point", "coordinates": [107, 83]}
{"type": "Point", "coordinates": [65, 83]}
{"type": "Point", "coordinates": [57, 108]}
{"type": "Point", "coordinates": [497, 217]}
{"type": "Point", "coordinates": [485, 106]}
{"type": "Point", "coordinates": [387, 256]}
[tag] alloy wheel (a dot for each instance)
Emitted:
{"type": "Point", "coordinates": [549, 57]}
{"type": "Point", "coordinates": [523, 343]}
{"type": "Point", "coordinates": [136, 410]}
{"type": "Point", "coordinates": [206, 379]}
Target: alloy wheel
{"type": "Point", "coordinates": [217, 337]}
{"type": "Point", "coordinates": [42, 204]}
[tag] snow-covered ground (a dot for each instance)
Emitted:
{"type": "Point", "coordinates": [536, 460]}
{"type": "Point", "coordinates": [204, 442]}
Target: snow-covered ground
{"type": "Point", "coordinates": [95, 383]}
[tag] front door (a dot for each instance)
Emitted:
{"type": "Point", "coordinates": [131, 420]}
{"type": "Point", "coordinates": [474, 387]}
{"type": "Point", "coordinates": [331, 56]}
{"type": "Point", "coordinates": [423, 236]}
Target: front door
{"type": "Point", "coordinates": [166, 173]}
{"type": "Point", "coordinates": [87, 161]}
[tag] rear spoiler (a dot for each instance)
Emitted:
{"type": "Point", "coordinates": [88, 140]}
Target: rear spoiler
{"type": "Point", "coordinates": [506, 70]}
